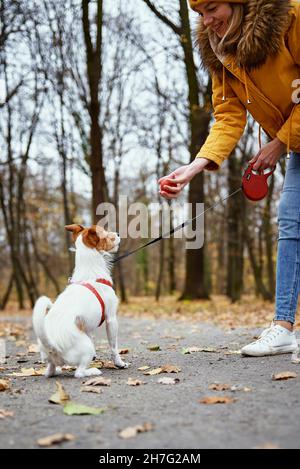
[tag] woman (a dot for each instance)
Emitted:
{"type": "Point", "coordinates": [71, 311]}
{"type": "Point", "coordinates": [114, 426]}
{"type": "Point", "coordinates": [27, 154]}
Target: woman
{"type": "Point", "coordinates": [252, 50]}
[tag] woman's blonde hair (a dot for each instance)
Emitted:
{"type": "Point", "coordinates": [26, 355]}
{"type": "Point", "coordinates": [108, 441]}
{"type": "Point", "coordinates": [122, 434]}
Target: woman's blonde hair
{"type": "Point", "coordinates": [228, 43]}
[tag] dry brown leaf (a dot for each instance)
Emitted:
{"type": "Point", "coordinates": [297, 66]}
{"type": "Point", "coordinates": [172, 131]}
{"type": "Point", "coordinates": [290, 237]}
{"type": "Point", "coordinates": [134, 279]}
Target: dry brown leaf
{"type": "Point", "coordinates": [143, 368]}
{"type": "Point", "coordinates": [284, 375]}
{"type": "Point", "coordinates": [167, 380]}
{"type": "Point", "coordinates": [107, 364]}
{"type": "Point", "coordinates": [134, 382]}
{"type": "Point", "coordinates": [29, 372]}
{"type": "Point", "coordinates": [93, 389]}
{"type": "Point", "coordinates": [163, 369]}
{"type": "Point", "coordinates": [5, 413]}
{"type": "Point", "coordinates": [60, 396]}
{"type": "Point", "coordinates": [155, 371]}
{"type": "Point", "coordinates": [217, 400]}
{"type": "Point", "coordinates": [55, 439]}
{"type": "Point", "coordinates": [123, 351]}
{"type": "Point", "coordinates": [131, 432]}
{"type": "Point", "coordinates": [170, 369]}
{"type": "Point", "coordinates": [219, 387]}
{"type": "Point", "coordinates": [97, 381]}
{"type": "Point", "coordinates": [4, 384]}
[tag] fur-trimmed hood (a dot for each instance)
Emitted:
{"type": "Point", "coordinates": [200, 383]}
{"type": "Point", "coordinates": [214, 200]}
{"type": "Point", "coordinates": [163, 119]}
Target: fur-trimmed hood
{"type": "Point", "coordinates": [265, 22]}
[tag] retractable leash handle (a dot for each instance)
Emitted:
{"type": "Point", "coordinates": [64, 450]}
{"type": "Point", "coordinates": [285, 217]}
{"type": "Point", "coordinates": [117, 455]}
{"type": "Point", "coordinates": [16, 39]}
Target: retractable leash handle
{"type": "Point", "coordinates": [255, 186]}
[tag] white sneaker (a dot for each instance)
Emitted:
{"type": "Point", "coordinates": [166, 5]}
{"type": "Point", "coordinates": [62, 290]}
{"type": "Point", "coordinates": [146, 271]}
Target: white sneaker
{"type": "Point", "coordinates": [272, 341]}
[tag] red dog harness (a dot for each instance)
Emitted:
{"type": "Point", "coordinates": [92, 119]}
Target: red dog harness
{"type": "Point", "coordinates": [97, 295]}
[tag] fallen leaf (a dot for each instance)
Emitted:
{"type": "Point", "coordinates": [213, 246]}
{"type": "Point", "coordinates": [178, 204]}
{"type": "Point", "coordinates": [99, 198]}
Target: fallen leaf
{"type": "Point", "coordinates": [123, 351]}
{"type": "Point", "coordinates": [233, 352]}
{"type": "Point", "coordinates": [155, 371]}
{"type": "Point", "coordinates": [134, 382]}
{"type": "Point", "coordinates": [167, 380]}
{"type": "Point", "coordinates": [143, 368]}
{"type": "Point", "coordinates": [73, 408]}
{"type": "Point", "coordinates": [284, 375]}
{"type": "Point", "coordinates": [93, 389]}
{"type": "Point", "coordinates": [55, 439]}
{"type": "Point", "coordinates": [131, 432]}
{"type": "Point", "coordinates": [154, 348]}
{"type": "Point", "coordinates": [97, 381]}
{"type": "Point", "coordinates": [103, 364]}
{"type": "Point", "coordinates": [4, 384]}
{"type": "Point", "coordinates": [163, 369]}
{"type": "Point", "coordinates": [5, 413]}
{"type": "Point", "coordinates": [219, 387]}
{"type": "Point", "coordinates": [29, 372]}
{"type": "Point", "coordinates": [217, 400]}
{"type": "Point", "coordinates": [60, 396]}
{"type": "Point", "coordinates": [170, 369]}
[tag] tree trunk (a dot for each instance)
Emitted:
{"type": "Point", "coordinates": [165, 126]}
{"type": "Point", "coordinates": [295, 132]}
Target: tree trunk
{"type": "Point", "coordinates": [235, 239]}
{"type": "Point", "coordinates": [94, 75]}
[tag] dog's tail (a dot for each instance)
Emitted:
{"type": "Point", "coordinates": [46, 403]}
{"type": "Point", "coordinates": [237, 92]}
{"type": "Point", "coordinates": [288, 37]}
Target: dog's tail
{"type": "Point", "coordinates": [40, 310]}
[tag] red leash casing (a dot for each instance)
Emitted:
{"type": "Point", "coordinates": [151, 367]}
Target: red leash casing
{"type": "Point", "coordinates": [255, 186]}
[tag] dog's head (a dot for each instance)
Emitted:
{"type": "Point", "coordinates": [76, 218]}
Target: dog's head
{"type": "Point", "coordinates": [95, 237]}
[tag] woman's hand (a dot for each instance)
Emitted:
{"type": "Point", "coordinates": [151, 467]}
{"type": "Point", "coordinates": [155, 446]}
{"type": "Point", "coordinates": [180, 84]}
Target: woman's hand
{"type": "Point", "coordinates": [181, 176]}
{"type": "Point", "coordinates": [269, 155]}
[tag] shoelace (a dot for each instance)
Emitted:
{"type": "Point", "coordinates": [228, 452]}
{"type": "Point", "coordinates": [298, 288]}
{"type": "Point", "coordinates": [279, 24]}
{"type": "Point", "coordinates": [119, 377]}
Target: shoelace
{"type": "Point", "coordinates": [269, 335]}
{"type": "Point", "coordinates": [266, 331]}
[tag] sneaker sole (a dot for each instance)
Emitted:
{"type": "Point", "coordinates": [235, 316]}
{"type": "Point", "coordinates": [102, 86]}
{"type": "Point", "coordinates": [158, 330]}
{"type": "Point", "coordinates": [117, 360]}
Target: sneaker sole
{"type": "Point", "coordinates": [278, 351]}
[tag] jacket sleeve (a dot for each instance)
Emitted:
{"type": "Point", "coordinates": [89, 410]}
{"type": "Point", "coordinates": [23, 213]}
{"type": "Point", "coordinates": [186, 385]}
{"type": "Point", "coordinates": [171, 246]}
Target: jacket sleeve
{"type": "Point", "coordinates": [292, 124]}
{"type": "Point", "coordinates": [230, 120]}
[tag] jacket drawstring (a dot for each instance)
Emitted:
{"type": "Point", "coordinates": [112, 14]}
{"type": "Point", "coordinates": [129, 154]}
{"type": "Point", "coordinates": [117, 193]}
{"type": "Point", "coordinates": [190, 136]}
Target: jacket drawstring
{"type": "Point", "coordinates": [246, 87]}
{"type": "Point", "coordinates": [224, 84]}
{"type": "Point", "coordinates": [288, 155]}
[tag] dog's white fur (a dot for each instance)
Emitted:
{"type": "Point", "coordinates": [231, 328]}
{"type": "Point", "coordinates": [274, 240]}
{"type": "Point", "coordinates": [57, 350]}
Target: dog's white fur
{"type": "Point", "coordinates": [63, 328]}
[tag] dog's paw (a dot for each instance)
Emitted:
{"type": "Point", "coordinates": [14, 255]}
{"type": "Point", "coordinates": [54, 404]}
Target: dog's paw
{"type": "Point", "coordinates": [121, 364]}
{"type": "Point", "coordinates": [87, 373]}
{"type": "Point", "coordinates": [51, 371]}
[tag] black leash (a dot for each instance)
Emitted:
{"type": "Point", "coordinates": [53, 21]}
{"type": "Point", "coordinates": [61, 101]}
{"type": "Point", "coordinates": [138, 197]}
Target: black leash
{"type": "Point", "coordinates": [179, 227]}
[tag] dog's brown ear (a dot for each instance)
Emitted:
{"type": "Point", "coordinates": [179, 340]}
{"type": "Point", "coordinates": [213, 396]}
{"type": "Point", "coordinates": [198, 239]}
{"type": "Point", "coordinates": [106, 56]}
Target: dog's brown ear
{"type": "Point", "coordinates": [96, 237]}
{"type": "Point", "coordinates": [90, 238]}
{"type": "Point", "coordinates": [75, 229]}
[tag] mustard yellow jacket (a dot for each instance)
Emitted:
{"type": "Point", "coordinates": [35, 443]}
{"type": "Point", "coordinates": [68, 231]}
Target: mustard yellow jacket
{"type": "Point", "coordinates": [261, 77]}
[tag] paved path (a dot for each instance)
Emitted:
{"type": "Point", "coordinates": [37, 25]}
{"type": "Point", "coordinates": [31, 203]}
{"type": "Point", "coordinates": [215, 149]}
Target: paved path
{"type": "Point", "coordinates": [268, 415]}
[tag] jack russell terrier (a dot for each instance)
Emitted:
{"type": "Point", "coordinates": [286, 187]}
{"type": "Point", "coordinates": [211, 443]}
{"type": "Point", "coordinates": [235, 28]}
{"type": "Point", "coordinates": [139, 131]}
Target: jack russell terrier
{"type": "Point", "coordinates": [63, 328]}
